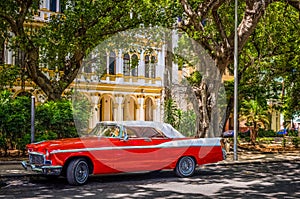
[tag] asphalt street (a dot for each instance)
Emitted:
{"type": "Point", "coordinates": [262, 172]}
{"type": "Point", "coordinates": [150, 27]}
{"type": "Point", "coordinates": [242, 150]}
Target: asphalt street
{"type": "Point", "coordinates": [279, 179]}
{"type": "Point", "coordinates": [14, 168]}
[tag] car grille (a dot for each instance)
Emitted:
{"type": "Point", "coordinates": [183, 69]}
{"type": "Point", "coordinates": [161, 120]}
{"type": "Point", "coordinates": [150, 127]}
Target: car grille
{"type": "Point", "coordinates": [36, 158]}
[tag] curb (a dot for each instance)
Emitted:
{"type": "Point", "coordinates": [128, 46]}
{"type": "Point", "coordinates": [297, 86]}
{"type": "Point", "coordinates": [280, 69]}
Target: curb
{"type": "Point", "coordinates": [261, 161]}
{"type": "Point", "coordinates": [10, 162]}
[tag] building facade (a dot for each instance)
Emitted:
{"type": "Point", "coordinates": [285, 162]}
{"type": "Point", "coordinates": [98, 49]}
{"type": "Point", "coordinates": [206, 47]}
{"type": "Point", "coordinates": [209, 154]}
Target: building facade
{"type": "Point", "coordinates": [130, 88]}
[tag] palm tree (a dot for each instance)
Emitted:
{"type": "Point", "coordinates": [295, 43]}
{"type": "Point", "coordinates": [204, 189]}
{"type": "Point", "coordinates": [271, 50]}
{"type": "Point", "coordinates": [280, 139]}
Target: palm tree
{"type": "Point", "coordinates": [255, 116]}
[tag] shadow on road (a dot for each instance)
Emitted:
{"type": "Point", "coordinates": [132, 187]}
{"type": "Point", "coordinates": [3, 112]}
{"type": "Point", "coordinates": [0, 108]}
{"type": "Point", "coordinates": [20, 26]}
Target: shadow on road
{"type": "Point", "coordinates": [267, 180]}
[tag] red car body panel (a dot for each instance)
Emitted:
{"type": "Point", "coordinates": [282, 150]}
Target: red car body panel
{"type": "Point", "coordinates": [107, 155]}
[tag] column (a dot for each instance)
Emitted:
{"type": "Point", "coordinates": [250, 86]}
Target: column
{"type": "Point", "coordinates": [141, 68]}
{"type": "Point", "coordinates": [141, 109]}
{"type": "Point", "coordinates": [119, 63]}
{"type": "Point", "coordinates": [9, 59]}
{"type": "Point", "coordinates": [57, 6]}
{"type": "Point", "coordinates": [137, 112]}
{"type": "Point", "coordinates": [142, 64]}
{"type": "Point", "coordinates": [116, 105]}
{"type": "Point", "coordinates": [160, 68]}
{"type": "Point", "coordinates": [158, 117]}
{"type": "Point", "coordinates": [119, 108]}
{"type": "Point", "coordinates": [95, 111]}
{"type": "Point", "coordinates": [47, 4]}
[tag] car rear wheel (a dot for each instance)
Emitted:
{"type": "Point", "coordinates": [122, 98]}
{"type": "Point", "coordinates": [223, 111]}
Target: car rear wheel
{"type": "Point", "coordinates": [185, 167]}
{"type": "Point", "coordinates": [77, 172]}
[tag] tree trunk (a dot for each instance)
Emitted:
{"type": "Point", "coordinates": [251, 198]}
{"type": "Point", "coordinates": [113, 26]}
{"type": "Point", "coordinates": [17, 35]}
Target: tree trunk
{"type": "Point", "coordinates": [208, 108]}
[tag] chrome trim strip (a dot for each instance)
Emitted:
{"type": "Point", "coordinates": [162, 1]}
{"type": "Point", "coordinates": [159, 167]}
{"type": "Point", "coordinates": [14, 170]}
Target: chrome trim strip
{"type": "Point", "coordinates": [206, 142]}
{"type": "Point", "coordinates": [36, 153]}
{"type": "Point", "coordinates": [41, 168]}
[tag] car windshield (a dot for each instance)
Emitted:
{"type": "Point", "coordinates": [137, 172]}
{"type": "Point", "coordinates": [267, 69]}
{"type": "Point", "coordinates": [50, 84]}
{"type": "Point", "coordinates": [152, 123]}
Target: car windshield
{"type": "Point", "coordinates": [105, 130]}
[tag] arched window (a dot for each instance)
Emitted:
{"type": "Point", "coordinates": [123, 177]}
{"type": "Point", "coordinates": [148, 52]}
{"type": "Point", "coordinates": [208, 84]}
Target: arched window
{"type": "Point", "coordinates": [106, 109]}
{"type": "Point", "coordinates": [152, 66]}
{"type": "Point", "coordinates": [148, 110]}
{"type": "Point", "coordinates": [147, 66]}
{"type": "Point", "coordinates": [129, 110]}
{"type": "Point", "coordinates": [112, 63]}
{"type": "Point", "coordinates": [134, 65]}
{"type": "Point", "coordinates": [126, 65]}
{"type": "Point", "coordinates": [53, 4]}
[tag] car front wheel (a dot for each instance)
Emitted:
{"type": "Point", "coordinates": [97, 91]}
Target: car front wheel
{"type": "Point", "coordinates": [185, 167]}
{"type": "Point", "coordinates": [77, 172]}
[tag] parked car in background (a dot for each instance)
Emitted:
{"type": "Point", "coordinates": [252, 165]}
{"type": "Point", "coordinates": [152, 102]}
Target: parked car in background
{"type": "Point", "coordinates": [229, 133]}
{"type": "Point", "coordinates": [282, 132]}
{"type": "Point", "coordinates": [121, 147]}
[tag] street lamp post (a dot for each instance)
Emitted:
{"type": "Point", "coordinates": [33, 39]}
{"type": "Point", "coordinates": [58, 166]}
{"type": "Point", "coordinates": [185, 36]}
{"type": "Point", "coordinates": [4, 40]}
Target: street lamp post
{"type": "Point", "coordinates": [235, 130]}
{"type": "Point", "coordinates": [32, 117]}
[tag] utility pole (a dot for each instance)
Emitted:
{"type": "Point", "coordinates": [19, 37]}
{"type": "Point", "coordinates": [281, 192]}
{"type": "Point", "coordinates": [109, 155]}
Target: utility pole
{"type": "Point", "coordinates": [235, 156]}
{"type": "Point", "coordinates": [32, 117]}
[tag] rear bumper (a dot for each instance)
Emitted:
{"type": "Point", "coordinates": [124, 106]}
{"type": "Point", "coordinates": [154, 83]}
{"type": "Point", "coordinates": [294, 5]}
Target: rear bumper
{"type": "Point", "coordinates": [43, 169]}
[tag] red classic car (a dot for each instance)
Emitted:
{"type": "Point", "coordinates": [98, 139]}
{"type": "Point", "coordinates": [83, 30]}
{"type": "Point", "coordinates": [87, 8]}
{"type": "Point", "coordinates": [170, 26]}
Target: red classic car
{"type": "Point", "coordinates": [118, 147]}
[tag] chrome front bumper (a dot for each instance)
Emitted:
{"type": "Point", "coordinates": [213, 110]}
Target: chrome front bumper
{"type": "Point", "coordinates": [44, 169]}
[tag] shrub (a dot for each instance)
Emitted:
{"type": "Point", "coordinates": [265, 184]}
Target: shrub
{"type": "Point", "coordinates": [48, 135]}
{"type": "Point", "coordinates": [293, 133]}
{"type": "Point", "coordinates": [52, 120]}
{"type": "Point", "coordinates": [55, 120]}
{"type": "Point", "coordinates": [266, 133]}
{"type": "Point", "coordinates": [267, 140]}
{"type": "Point", "coordinates": [14, 120]}
{"type": "Point", "coordinates": [295, 141]}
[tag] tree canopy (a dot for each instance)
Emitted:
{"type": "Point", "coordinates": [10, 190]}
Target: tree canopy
{"type": "Point", "coordinates": [268, 37]}
{"type": "Point", "coordinates": [260, 41]}
{"type": "Point", "coordinates": [269, 62]}
{"type": "Point", "coordinates": [63, 41]}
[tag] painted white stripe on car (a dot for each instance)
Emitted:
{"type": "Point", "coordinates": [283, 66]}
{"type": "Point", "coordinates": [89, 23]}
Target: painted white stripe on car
{"type": "Point", "coordinates": [206, 142]}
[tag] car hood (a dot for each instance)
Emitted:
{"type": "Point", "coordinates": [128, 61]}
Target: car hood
{"type": "Point", "coordinates": [68, 143]}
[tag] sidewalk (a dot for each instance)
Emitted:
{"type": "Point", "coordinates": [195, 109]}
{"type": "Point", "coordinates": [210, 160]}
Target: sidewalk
{"type": "Point", "coordinates": [246, 157]}
{"type": "Point", "coordinates": [14, 168]}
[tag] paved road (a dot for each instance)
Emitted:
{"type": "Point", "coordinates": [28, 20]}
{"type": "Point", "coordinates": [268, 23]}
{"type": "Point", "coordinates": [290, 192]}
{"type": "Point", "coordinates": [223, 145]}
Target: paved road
{"type": "Point", "coordinates": [14, 168]}
{"type": "Point", "coordinates": [253, 180]}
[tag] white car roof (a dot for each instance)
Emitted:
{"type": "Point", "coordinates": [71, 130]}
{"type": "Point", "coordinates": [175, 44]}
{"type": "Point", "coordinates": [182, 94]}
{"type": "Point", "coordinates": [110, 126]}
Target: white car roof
{"type": "Point", "coordinates": [165, 128]}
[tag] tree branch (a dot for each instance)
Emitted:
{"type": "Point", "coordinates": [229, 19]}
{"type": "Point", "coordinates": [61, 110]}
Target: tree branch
{"type": "Point", "coordinates": [206, 6]}
{"type": "Point", "coordinates": [193, 16]}
{"type": "Point", "coordinates": [253, 12]}
{"type": "Point", "coordinates": [219, 24]}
